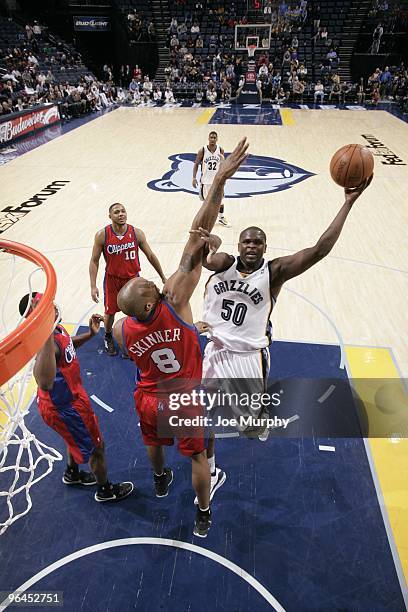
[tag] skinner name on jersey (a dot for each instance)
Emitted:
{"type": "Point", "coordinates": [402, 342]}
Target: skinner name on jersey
{"type": "Point", "coordinates": [241, 287]}
{"type": "Point", "coordinates": [116, 249]}
{"type": "Point", "coordinates": [156, 337]}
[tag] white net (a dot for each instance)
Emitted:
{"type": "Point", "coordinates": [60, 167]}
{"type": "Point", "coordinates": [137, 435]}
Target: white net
{"type": "Point", "coordinates": [24, 460]}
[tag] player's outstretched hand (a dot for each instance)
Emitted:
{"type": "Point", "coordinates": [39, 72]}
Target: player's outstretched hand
{"type": "Point", "coordinates": [212, 241]}
{"type": "Point", "coordinates": [95, 323]}
{"type": "Point", "coordinates": [230, 165]}
{"type": "Point", "coordinates": [352, 193]}
{"type": "Point", "coordinates": [95, 294]}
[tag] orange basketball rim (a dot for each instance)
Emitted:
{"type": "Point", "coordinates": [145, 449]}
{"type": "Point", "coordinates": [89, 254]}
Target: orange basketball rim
{"type": "Point", "coordinates": [25, 341]}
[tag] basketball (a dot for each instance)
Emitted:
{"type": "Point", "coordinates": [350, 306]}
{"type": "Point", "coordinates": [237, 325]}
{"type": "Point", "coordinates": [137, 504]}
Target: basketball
{"type": "Point", "coordinates": [351, 165]}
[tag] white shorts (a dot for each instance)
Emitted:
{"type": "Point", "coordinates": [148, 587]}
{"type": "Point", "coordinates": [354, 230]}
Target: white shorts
{"type": "Point", "coordinates": [223, 363]}
{"type": "Point", "coordinates": [237, 375]}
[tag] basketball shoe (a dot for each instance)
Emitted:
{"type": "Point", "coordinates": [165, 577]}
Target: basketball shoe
{"type": "Point", "coordinates": [163, 482]}
{"type": "Point", "coordinates": [109, 345]}
{"type": "Point", "coordinates": [113, 492]}
{"type": "Point", "coordinates": [73, 477]}
{"type": "Point", "coordinates": [202, 523]}
{"type": "Point", "coordinates": [217, 480]}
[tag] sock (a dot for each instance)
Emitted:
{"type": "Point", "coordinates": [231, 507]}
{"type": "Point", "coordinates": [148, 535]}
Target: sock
{"type": "Point", "coordinates": [211, 463]}
{"type": "Point", "coordinates": [205, 510]}
{"type": "Point", "coordinates": [159, 475]}
{"type": "Point", "coordinates": [108, 334]}
{"type": "Point", "coordinates": [221, 211]}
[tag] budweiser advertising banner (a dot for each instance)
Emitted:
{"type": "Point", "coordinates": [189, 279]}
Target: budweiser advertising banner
{"type": "Point", "coordinates": [23, 124]}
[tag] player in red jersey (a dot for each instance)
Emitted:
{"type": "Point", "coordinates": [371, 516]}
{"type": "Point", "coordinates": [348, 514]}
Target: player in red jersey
{"type": "Point", "coordinates": [119, 243]}
{"type": "Point", "coordinates": [160, 338]}
{"type": "Point", "coordinates": [64, 406]}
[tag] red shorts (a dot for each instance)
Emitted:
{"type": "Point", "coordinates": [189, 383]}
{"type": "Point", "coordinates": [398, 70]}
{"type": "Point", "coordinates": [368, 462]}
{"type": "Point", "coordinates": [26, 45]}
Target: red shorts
{"type": "Point", "coordinates": [76, 423]}
{"type": "Point", "coordinates": [111, 287]}
{"type": "Point", "coordinates": [154, 413]}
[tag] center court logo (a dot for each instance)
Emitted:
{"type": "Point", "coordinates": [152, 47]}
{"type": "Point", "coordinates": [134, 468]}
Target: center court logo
{"type": "Point", "coordinates": [259, 175]}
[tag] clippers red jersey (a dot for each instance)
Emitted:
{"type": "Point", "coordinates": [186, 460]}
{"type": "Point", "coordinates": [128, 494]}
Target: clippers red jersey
{"type": "Point", "coordinates": [66, 408]}
{"type": "Point", "coordinates": [165, 349]}
{"type": "Point", "coordinates": [121, 253]}
{"type": "Point", "coordinates": [67, 384]}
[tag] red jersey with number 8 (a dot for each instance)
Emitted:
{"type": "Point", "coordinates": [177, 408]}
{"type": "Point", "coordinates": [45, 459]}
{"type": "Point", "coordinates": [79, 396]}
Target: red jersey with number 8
{"type": "Point", "coordinates": [121, 253]}
{"type": "Point", "coordinates": [165, 349]}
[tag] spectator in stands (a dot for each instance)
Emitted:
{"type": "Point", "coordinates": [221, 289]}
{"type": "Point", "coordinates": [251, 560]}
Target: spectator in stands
{"type": "Point", "coordinates": [199, 43]}
{"type": "Point", "coordinates": [280, 96]}
{"type": "Point", "coordinates": [133, 88]}
{"type": "Point", "coordinates": [173, 26]}
{"type": "Point", "coordinates": [360, 92]}
{"type": "Point", "coordinates": [298, 89]}
{"type": "Point", "coordinates": [37, 31]}
{"type": "Point", "coordinates": [344, 91]}
{"type": "Point", "coordinates": [174, 42]}
{"type": "Point", "coordinates": [226, 90]}
{"type": "Point", "coordinates": [32, 60]}
{"type": "Point", "coordinates": [375, 77]}
{"type": "Point", "coordinates": [195, 28]}
{"type": "Point", "coordinates": [151, 31]}
{"type": "Point", "coordinates": [332, 58]}
{"type": "Point", "coordinates": [258, 84]}
{"type": "Point", "coordinates": [137, 73]}
{"type": "Point", "coordinates": [263, 71]}
{"type": "Point", "coordinates": [267, 11]}
{"type": "Point", "coordinates": [335, 91]}
{"type": "Point", "coordinates": [302, 71]}
{"type": "Point", "coordinates": [375, 95]}
{"type": "Point", "coordinates": [318, 92]}
{"type": "Point", "coordinates": [7, 107]}
{"type": "Point", "coordinates": [168, 96]}
{"type": "Point", "coordinates": [147, 89]}
{"type": "Point", "coordinates": [157, 94]}
{"type": "Point", "coordinates": [211, 93]}
{"type": "Point", "coordinates": [385, 82]}
{"type": "Point", "coordinates": [377, 34]}
{"type": "Point", "coordinates": [29, 32]}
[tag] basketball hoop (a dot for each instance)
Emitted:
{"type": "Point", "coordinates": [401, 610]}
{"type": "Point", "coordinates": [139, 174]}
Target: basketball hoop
{"type": "Point", "coordinates": [251, 50]}
{"type": "Point", "coordinates": [21, 453]}
{"type": "Point", "coordinates": [22, 344]}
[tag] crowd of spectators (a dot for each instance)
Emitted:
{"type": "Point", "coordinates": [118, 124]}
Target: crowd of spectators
{"type": "Point", "coordinates": [32, 71]}
{"type": "Point", "coordinates": [38, 69]}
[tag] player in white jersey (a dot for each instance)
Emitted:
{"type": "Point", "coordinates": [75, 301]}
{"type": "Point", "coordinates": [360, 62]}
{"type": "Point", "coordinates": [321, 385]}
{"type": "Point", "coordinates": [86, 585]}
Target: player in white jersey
{"type": "Point", "coordinates": [241, 294]}
{"type": "Point", "coordinates": [208, 159]}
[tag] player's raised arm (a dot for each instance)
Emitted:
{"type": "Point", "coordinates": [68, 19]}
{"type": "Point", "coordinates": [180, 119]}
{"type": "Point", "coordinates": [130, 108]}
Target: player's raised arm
{"type": "Point", "coordinates": [45, 368]}
{"type": "Point", "coordinates": [284, 268]}
{"type": "Point", "coordinates": [180, 286]}
{"type": "Point", "coordinates": [94, 263]}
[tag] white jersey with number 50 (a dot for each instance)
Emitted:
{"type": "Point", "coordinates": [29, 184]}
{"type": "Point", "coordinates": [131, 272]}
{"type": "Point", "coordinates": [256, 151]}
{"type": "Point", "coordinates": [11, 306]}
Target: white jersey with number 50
{"type": "Point", "coordinates": [210, 164]}
{"type": "Point", "coordinates": [237, 307]}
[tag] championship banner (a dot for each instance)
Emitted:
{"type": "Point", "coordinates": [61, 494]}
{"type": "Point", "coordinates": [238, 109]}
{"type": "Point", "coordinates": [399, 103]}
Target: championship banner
{"type": "Point", "coordinates": [91, 24]}
{"type": "Point", "coordinates": [23, 124]}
